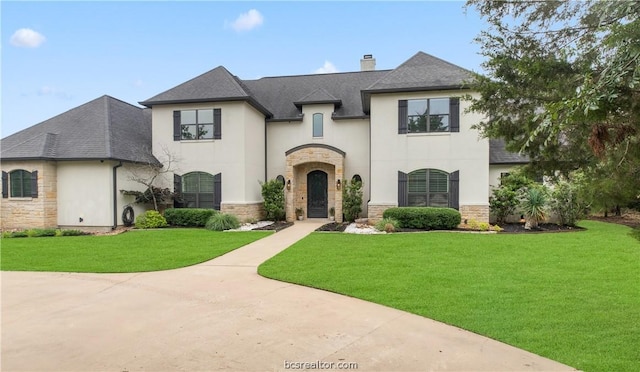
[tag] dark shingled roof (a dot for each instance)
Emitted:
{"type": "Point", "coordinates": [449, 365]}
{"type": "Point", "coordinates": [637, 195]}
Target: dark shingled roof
{"type": "Point", "coordinates": [280, 97]}
{"type": "Point", "coordinates": [105, 128]}
{"type": "Point", "coordinates": [498, 154]}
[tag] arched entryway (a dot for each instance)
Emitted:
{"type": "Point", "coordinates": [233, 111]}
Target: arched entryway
{"type": "Point", "coordinates": [317, 198]}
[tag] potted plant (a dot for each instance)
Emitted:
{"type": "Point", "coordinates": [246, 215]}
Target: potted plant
{"type": "Point", "coordinates": [300, 214]}
{"type": "Point", "coordinates": [332, 212]}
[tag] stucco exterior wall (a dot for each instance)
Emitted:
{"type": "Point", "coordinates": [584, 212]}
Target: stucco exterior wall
{"type": "Point", "coordinates": [85, 191]}
{"type": "Point", "coordinates": [125, 182]}
{"type": "Point", "coordinates": [26, 213]}
{"type": "Point", "coordinates": [350, 136]}
{"type": "Point", "coordinates": [460, 151]}
{"type": "Point", "coordinates": [238, 155]}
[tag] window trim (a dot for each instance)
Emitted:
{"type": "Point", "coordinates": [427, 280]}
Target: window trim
{"type": "Point", "coordinates": [428, 115]}
{"type": "Point", "coordinates": [315, 125]}
{"type": "Point", "coordinates": [25, 187]}
{"type": "Point", "coordinates": [428, 193]}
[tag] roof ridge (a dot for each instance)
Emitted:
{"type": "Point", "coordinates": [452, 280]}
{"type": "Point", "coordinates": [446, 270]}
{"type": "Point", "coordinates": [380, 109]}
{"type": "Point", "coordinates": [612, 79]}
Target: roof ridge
{"type": "Point", "coordinates": [107, 125]}
{"type": "Point", "coordinates": [320, 74]}
{"type": "Point", "coordinates": [50, 145]}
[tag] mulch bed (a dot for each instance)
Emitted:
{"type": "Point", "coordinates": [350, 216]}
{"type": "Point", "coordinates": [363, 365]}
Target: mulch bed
{"type": "Point", "coordinates": [542, 228]}
{"type": "Point", "coordinates": [333, 226]}
{"type": "Point", "coordinates": [276, 226]}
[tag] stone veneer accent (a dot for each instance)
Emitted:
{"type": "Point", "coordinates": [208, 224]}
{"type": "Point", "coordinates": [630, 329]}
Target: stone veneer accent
{"type": "Point", "coordinates": [479, 213]}
{"type": "Point", "coordinates": [375, 212]}
{"type": "Point", "coordinates": [307, 159]}
{"type": "Point", "coordinates": [254, 211]}
{"type": "Point", "coordinates": [28, 213]}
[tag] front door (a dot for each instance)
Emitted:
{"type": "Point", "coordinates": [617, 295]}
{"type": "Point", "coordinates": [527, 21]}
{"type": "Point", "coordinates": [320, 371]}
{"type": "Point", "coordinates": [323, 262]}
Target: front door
{"type": "Point", "coordinates": [317, 194]}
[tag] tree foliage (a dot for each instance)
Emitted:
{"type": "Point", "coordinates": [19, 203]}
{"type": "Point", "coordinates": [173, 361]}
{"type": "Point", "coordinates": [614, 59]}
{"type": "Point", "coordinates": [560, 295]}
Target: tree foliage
{"type": "Point", "coordinates": [273, 195]}
{"type": "Point", "coordinates": [562, 85]}
{"type": "Point", "coordinates": [351, 200]}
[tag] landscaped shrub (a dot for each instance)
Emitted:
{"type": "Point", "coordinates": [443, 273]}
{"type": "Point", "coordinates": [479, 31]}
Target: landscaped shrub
{"type": "Point", "coordinates": [351, 200]}
{"type": "Point", "coordinates": [37, 233]}
{"type": "Point", "coordinates": [19, 234]}
{"type": "Point", "coordinates": [504, 200]}
{"type": "Point", "coordinates": [273, 195]}
{"type": "Point", "coordinates": [222, 221]}
{"type": "Point", "coordinates": [73, 233]}
{"type": "Point", "coordinates": [189, 217]}
{"type": "Point", "coordinates": [388, 225]}
{"type": "Point", "coordinates": [565, 203]}
{"type": "Point", "coordinates": [533, 204]}
{"type": "Point", "coordinates": [150, 220]}
{"type": "Point", "coordinates": [426, 218]}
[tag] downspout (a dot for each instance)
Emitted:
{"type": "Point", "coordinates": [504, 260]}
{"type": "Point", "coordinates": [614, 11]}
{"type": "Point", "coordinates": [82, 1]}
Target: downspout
{"type": "Point", "coordinates": [265, 150]}
{"type": "Point", "coordinates": [115, 194]}
{"type": "Point", "coordinates": [369, 183]}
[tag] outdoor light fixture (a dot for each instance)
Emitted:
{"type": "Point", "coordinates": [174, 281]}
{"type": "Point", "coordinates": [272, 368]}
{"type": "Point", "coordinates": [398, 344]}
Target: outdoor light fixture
{"type": "Point", "coordinates": [288, 185]}
{"type": "Point", "coordinates": [338, 184]}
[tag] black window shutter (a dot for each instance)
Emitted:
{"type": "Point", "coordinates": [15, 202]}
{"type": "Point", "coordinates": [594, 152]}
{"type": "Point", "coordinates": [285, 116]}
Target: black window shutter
{"type": "Point", "coordinates": [454, 114]}
{"type": "Point", "coordinates": [217, 124]}
{"type": "Point", "coordinates": [454, 190]}
{"type": "Point", "coordinates": [402, 116]}
{"type": "Point", "coordinates": [34, 184]}
{"type": "Point", "coordinates": [177, 133]}
{"type": "Point", "coordinates": [5, 184]}
{"type": "Point", "coordinates": [217, 191]}
{"type": "Point", "coordinates": [402, 190]}
{"type": "Point", "coordinates": [177, 190]}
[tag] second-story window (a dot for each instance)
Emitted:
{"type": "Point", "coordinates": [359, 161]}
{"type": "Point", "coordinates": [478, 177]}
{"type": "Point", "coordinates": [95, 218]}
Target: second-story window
{"type": "Point", "coordinates": [429, 115]}
{"type": "Point", "coordinates": [317, 125]}
{"type": "Point", "coordinates": [197, 124]}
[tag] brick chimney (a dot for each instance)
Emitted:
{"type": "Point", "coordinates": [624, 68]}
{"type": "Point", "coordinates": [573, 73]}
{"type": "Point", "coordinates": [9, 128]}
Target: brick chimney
{"type": "Point", "coordinates": [368, 63]}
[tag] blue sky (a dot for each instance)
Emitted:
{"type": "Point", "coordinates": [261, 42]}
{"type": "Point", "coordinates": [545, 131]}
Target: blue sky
{"type": "Point", "coordinates": [59, 55]}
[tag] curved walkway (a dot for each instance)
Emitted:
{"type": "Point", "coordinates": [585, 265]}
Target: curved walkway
{"type": "Point", "coordinates": [220, 315]}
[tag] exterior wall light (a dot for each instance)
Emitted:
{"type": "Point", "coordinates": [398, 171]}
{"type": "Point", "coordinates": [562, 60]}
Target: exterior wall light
{"type": "Point", "coordinates": [288, 185]}
{"type": "Point", "coordinates": [338, 184]}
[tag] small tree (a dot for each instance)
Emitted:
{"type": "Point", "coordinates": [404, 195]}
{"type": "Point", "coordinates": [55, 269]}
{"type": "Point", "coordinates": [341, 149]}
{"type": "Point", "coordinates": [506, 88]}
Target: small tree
{"type": "Point", "coordinates": [351, 200]}
{"type": "Point", "coordinates": [273, 195]}
{"type": "Point", "coordinates": [148, 173]}
{"type": "Point", "coordinates": [504, 200]}
{"type": "Point", "coordinates": [566, 204]}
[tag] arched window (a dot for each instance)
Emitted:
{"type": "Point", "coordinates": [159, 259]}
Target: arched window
{"type": "Point", "coordinates": [317, 125]}
{"type": "Point", "coordinates": [20, 181]}
{"type": "Point", "coordinates": [428, 188]}
{"type": "Point", "coordinates": [356, 178]}
{"type": "Point", "coordinates": [198, 190]}
{"type": "Point", "coordinates": [280, 179]}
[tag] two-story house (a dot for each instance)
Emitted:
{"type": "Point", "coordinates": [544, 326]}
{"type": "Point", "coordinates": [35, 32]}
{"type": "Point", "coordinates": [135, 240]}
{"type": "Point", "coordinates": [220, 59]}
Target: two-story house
{"type": "Point", "coordinates": [403, 132]}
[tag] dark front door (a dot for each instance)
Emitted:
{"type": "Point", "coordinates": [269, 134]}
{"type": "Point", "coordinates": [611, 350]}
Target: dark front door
{"type": "Point", "coordinates": [317, 194]}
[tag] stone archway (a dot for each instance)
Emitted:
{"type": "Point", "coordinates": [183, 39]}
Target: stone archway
{"type": "Point", "coordinates": [306, 159]}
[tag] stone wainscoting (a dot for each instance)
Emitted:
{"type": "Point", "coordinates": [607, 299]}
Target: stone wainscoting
{"type": "Point", "coordinates": [479, 213]}
{"type": "Point", "coordinates": [375, 211]}
{"type": "Point", "coordinates": [244, 212]}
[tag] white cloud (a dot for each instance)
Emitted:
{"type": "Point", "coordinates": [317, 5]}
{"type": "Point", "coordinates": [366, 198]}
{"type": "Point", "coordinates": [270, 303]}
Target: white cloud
{"type": "Point", "coordinates": [247, 21]}
{"type": "Point", "coordinates": [27, 38]}
{"type": "Point", "coordinates": [47, 90]}
{"type": "Point", "coordinates": [138, 83]}
{"type": "Point", "coordinates": [327, 68]}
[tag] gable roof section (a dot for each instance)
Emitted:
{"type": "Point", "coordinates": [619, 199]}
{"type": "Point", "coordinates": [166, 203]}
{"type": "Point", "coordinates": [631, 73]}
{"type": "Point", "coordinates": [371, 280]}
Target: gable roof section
{"type": "Point", "coordinates": [213, 86]}
{"type": "Point", "coordinates": [318, 96]}
{"type": "Point", "coordinates": [419, 73]}
{"type": "Point", "coordinates": [498, 154]}
{"type": "Point", "coordinates": [105, 128]}
{"type": "Point", "coordinates": [281, 93]}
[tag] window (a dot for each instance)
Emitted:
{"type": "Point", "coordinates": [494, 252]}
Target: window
{"type": "Point", "coordinates": [198, 190]}
{"type": "Point", "coordinates": [197, 124]}
{"type": "Point", "coordinates": [428, 188]}
{"type": "Point", "coordinates": [503, 176]}
{"type": "Point", "coordinates": [356, 178]}
{"type": "Point", "coordinates": [429, 115]}
{"type": "Point", "coordinates": [20, 181]}
{"type": "Point", "coordinates": [317, 125]}
{"type": "Point", "coordinates": [280, 179]}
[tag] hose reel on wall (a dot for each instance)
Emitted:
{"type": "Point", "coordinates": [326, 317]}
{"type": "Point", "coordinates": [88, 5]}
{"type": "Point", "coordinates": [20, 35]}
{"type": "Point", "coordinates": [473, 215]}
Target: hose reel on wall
{"type": "Point", "coordinates": [127, 216]}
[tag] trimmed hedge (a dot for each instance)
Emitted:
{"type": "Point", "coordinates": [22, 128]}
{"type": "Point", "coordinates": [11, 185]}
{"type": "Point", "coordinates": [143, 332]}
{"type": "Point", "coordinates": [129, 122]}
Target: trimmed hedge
{"type": "Point", "coordinates": [424, 218]}
{"type": "Point", "coordinates": [150, 220]}
{"type": "Point", "coordinates": [189, 217]}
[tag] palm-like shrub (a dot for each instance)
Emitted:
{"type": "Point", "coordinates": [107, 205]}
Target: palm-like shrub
{"type": "Point", "coordinates": [533, 205]}
{"type": "Point", "coordinates": [222, 221]}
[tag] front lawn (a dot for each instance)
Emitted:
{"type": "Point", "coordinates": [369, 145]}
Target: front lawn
{"type": "Point", "coordinates": [134, 251]}
{"type": "Point", "coordinates": [571, 297]}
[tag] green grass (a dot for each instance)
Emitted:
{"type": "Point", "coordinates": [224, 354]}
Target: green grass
{"type": "Point", "coordinates": [572, 297]}
{"type": "Point", "coordinates": [134, 251]}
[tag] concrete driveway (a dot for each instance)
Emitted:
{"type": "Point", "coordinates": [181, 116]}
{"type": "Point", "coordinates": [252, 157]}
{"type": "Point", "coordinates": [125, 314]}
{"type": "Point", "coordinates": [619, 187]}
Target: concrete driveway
{"type": "Point", "coordinates": [220, 315]}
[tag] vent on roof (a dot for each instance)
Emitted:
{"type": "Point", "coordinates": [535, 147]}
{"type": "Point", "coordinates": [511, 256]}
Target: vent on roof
{"type": "Point", "coordinates": [368, 63]}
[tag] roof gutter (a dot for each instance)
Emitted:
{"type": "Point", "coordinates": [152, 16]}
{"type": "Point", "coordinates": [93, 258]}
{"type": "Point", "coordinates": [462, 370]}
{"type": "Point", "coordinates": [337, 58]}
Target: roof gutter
{"type": "Point", "coordinates": [115, 194]}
